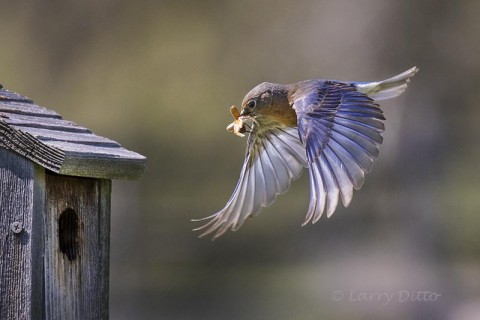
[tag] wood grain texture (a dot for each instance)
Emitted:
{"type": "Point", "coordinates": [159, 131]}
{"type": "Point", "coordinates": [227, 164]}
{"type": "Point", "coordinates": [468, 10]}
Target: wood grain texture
{"type": "Point", "coordinates": [22, 194]}
{"type": "Point", "coordinates": [76, 286]}
{"type": "Point", "coordinates": [42, 136]}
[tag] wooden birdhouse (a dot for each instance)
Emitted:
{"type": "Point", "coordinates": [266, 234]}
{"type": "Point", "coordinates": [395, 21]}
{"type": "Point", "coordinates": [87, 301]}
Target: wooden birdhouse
{"type": "Point", "coordinates": [55, 185]}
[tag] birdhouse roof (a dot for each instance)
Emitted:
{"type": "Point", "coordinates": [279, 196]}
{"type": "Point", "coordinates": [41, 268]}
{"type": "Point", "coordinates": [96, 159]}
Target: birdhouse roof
{"type": "Point", "coordinates": [44, 137]}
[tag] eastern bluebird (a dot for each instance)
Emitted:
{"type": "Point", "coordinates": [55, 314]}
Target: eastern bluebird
{"type": "Point", "coordinates": [332, 127]}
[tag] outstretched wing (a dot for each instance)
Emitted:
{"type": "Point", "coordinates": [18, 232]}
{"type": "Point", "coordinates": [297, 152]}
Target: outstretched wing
{"type": "Point", "coordinates": [274, 158]}
{"type": "Point", "coordinates": [341, 130]}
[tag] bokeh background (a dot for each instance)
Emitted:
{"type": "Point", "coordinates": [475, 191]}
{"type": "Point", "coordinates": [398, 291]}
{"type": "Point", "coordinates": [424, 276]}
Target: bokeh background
{"type": "Point", "coordinates": [160, 76]}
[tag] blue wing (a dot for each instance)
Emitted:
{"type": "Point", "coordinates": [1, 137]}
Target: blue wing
{"type": "Point", "coordinates": [341, 130]}
{"type": "Point", "coordinates": [274, 158]}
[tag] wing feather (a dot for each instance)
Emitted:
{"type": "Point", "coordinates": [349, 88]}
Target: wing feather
{"type": "Point", "coordinates": [274, 158]}
{"type": "Point", "coordinates": [341, 129]}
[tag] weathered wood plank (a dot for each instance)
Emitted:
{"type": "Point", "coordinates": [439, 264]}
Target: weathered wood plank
{"type": "Point", "coordinates": [10, 95]}
{"type": "Point", "coordinates": [76, 280]}
{"type": "Point", "coordinates": [22, 194]}
{"type": "Point", "coordinates": [62, 146]}
{"type": "Point", "coordinates": [20, 108]}
{"type": "Point", "coordinates": [102, 167]}
{"type": "Point", "coordinates": [45, 123]}
{"type": "Point", "coordinates": [48, 136]}
{"type": "Point", "coordinates": [27, 146]}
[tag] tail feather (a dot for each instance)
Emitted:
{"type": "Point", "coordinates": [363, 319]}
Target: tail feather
{"type": "Point", "coordinates": [386, 89]}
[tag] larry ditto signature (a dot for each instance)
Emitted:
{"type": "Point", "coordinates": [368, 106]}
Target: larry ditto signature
{"type": "Point", "coordinates": [384, 297]}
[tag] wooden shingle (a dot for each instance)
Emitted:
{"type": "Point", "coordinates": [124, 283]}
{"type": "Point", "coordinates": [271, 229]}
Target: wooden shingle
{"type": "Point", "coordinates": [44, 137]}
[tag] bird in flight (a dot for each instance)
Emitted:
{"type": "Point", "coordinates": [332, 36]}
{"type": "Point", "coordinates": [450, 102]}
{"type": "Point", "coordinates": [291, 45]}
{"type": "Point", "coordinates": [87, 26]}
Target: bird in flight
{"type": "Point", "coordinates": [333, 128]}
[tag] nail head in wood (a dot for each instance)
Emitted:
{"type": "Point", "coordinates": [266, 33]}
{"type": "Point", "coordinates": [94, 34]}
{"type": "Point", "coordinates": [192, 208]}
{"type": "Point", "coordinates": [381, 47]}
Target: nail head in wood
{"type": "Point", "coordinates": [16, 227]}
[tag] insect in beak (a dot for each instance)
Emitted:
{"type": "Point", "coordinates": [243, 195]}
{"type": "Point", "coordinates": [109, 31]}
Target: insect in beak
{"type": "Point", "coordinates": [237, 127]}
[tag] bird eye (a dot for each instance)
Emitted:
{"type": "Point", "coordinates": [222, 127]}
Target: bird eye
{"type": "Point", "coordinates": [251, 104]}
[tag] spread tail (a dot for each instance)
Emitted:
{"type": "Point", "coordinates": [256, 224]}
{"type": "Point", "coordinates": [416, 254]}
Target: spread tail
{"type": "Point", "coordinates": [386, 89]}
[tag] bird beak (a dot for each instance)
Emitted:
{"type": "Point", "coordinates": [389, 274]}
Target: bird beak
{"type": "Point", "coordinates": [244, 112]}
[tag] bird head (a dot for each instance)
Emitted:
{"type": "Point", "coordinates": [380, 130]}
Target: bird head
{"type": "Point", "coordinates": [268, 103]}
{"type": "Point", "coordinates": [257, 101]}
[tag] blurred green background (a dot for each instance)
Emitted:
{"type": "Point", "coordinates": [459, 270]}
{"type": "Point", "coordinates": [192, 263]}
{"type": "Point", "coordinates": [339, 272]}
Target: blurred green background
{"type": "Point", "coordinates": [160, 76]}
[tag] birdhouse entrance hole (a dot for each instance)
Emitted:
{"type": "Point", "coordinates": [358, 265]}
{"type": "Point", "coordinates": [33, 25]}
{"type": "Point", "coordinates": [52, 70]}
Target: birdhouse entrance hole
{"type": "Point", "coordinates": [68, 233]}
